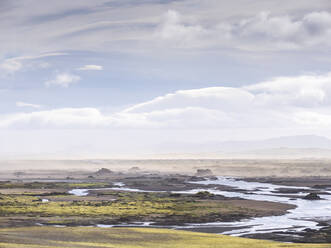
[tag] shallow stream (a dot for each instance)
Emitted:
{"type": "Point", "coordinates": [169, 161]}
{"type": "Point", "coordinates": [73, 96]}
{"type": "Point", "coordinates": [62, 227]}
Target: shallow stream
{"type": "Point", "coordinates": [306, 214]}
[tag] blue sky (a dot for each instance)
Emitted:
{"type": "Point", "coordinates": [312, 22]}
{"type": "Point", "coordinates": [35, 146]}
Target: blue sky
{"type": "Point", "coordinates": [129, 66]}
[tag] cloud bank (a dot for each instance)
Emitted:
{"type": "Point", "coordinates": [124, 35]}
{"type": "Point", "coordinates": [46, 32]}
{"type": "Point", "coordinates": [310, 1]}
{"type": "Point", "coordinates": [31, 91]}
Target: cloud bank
{"type": "Point", "coordinates": [107, 25]}
{"type": "Point", "coordinates": [284, 102]}
{"type": "Point", "coordinates": [263, 31]}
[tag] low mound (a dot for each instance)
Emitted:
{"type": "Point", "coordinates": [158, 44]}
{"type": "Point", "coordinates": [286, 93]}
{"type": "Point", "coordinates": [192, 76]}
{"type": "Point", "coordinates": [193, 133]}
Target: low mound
{"type": "Point", "coordinates": [103, 172]}
{"type": "Point", "coordinates": [312, 197]}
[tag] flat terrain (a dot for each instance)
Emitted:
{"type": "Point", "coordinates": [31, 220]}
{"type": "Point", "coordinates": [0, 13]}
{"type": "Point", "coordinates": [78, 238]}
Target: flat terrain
{"type": "Point", "coordinates": [26, 203]}
{"type": "Point", "coordinates": [221, 167]}
{"type": "Point", "coordinates": [40, 200]}
{"type": "Point", "coordinates": [84, 237]}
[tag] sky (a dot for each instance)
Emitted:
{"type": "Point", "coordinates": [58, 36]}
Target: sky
{"type": "Point", "coordinates": [108, 77]}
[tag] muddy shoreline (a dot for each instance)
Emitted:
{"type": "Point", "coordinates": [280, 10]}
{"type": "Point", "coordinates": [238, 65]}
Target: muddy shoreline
{"type": "Point", "coordinates": [318, 182]}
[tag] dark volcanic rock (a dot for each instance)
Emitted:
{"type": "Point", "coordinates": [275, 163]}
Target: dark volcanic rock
{"type": "Point", "coordinates": [312, 196]}
{"type": "Point", "coordinates": [103, 171]}
{"type": "Point", "coordinates": [196, 179]}
{"type": "Point", "coordinates": [204, 173]}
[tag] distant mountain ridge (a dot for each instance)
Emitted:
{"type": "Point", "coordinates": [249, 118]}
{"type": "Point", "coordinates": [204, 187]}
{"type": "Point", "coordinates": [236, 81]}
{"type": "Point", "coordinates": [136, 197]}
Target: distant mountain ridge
{"type": "Point", "coordinates": [301, 146]}
{"type": "Point", "coordinates": [283, 153]}
{"type": "Point", "coordinates": [299, 142]}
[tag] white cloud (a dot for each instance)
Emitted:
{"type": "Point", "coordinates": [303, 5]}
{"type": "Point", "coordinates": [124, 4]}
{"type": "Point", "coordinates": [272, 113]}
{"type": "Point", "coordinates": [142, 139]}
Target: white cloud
{"type": "Point", "coordinates": [63, 80]}
{"type": "Point", "coordinates": [29, 105]}
{"type": "Point", "coordinates": [284, 102]}
{"type": "Point", "coordinates": [173, 29]}
{"type": "Point", "coordinates": [304, 91]}
{"type": "Point", "coordinates": [12, 65]}
{"type": "Point", "coordinates": [282, 31]}
{"type": "Point", "coordinates": [91, 68]}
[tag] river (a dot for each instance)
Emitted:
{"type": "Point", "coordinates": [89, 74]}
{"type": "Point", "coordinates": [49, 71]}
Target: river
{"type": "Point", "coordinates": [306, 214]}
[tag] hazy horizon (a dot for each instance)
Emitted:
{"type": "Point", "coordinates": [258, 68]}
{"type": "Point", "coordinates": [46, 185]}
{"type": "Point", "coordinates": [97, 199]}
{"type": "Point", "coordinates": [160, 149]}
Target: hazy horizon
{"type": "Point", "coordinates": [285, 147]}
